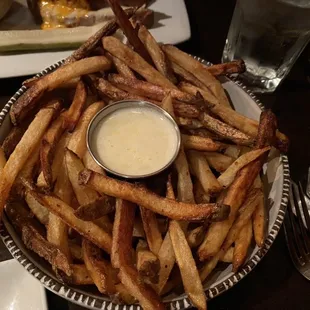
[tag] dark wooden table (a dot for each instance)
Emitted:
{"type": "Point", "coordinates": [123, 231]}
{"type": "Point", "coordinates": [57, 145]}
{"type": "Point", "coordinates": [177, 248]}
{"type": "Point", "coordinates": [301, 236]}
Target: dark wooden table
{"type": "Point", "coordinates": [274, 284]}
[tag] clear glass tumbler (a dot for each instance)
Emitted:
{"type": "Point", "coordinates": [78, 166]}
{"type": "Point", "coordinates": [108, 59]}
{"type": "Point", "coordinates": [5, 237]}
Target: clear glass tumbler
{"type": "Point", "coordinates": [268, 35]}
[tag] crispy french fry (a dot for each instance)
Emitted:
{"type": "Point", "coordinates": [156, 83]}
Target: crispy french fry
{"type": "Point", "coordinates": [195, 236]}
{"type": "Point", "coordinates": [76, 251]}
{"type": "Point", "coordinates": [198, 69]}
{"type": "Point", "coordinates": [225, 131]}
{"type": "Point", "coordinates": [57, 162]}
{"type": "Point", "coordinates": [77, 143]}
{"type": "Point", "coordinates": [23, 150]}
{"type": "Point", "coordinates": [227, 177]}
{"type": "Point", "coordinates": [122, 233]}
{"type": "Point", "coordinates": [205, 133]}
{"type": "Point", "coordinates": [242, 244]}
{"type": "Point", "coordinates": [200, 143]}
{"type": "Point", "coordinates": [80, 276]}
{"type": "Point", "coordinates": [96, 209]}
{"type": "Point", "coordinates": [147, 263]}
{"type": "Point", "coordinates": [218, 161]}
{"type": "Point", "coordinates": [237, 192]}
{"type": "Point", "coordinates": [141, 196]}
{"type": "Point", "coordinates": [89, 230]}
{"type": "Point", "coordinates": [28, 100]}
{"type": "Point", "coordinates": [209, 266]}
{"type": "Point", "coordinates": [188, 123]}
{"type": "Point", "coordinates": [231, 67]}
{"type": "Point", "coordinates": [121, 67]}
{"type": "Point", "coordinates": [12, 139]}
{"type": "Point", "coordinates": [235, 119]}
{"type": "Point", "coordinates": [84, 195]}
{"type": "Point", "coordinates": [156, 53]}
{"type": "Point", "coordinates": [90, 163]}
{"type": "Point", "coordinates": [201, 170]}
{"type": "Point", "coordinates": [135, 62]}
{"type": "Point", "coordinates": [200, 195]}
{"type": "Point", "coordinates": [98, 268]}
{"type": "Point", "coordinates": [260, 222]}
{"type": "Point", "coordinates": [147, 89]}
{"type": "Point", "coordinates": [185, 75]}
{"type": "Point", "coordinates": [40, 212]}
{"type": "Point", "coordinates": [232, 151]}
{"type": "Point", "coordinates": [190, 277]}
{"type": "Point", "coordinates": [151, 229]}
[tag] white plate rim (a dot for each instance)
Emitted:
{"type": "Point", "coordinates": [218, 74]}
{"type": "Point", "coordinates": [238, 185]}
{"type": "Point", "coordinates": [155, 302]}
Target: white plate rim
{"type": "Point", "coordinates": [90, 301]}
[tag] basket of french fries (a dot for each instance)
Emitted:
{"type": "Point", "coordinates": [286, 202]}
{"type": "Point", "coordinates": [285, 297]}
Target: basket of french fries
{"type": "Point", "coordinates": [175, 239]}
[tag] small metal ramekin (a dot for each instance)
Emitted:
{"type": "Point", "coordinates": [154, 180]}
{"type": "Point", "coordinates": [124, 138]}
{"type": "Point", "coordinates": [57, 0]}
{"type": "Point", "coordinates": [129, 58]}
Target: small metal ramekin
{"type": "Point", "coordinates": [121, 105]}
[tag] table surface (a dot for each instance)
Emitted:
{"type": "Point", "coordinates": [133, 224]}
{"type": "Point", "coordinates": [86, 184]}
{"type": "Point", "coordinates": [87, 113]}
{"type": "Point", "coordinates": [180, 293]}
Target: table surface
{"type": "Point", "coordinates": [274, 283]}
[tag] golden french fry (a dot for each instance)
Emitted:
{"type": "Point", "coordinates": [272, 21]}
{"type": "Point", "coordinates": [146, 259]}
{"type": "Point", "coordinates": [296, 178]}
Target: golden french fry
{"type": "Point", "coordinates": [228, 176]}
{"type": "Point", "coordinates": [156, 53]}
{"type": "Point", "coordinates": [237, 192]}
{"type": "Point", "coordinates": [200, 195]}
{"type": "Point", "coordinates": [198, 69]}
{"type": "Point", "coordinates": [260, 222]}
{"type": "Point", "coordinates": [218, 161]}
{"type": "Point", "coordinates": [121, 67]}
{"type": "Point", "coordinates": [90, 163]}
{"type": "Point", "coordinates": [242, 244]}
{"type": "Point", "coordinates": [195, 236]}
{"type": "Point", "coordinates": [201, 170]}
{"type": "Point", "coordinates": [232, 151]}
{"type": "Point", "coordinates": [200, 144]}
{"type": "Point", "coordinates": [190, 277]}
{"type": "Point", "coordinates": [189, 123]}
{"type": "Point", "coordinates": [98, 268]}
{"type": "Point", "coordinates": [147, 263]}
{"type": "Point", "coordinates": [209, 266]}
{"type": "Point", "coordinates": [142, 196]}
{"type": "Point", "coordinates": [228, 255]}
{"type": "Point", "coordinates": [40, 212]}
{"type": "Point", "coordinates": [77, 143]}
{"type": "Point", "coordinates": [76, 251]}
{"type": "Point", "coordinates": [151, 229]}
{"type": "Point", "coordinates": [28, 100]}
{"type": "Point", "coordinates": [231, 67]}
{"type": "Point", "coordinates": [135, 61]}
{"type": "Point", "coordinates": [80, 276]}
{"type": "Point", "coordinates": [23, 150]}
{"type": "Point", "coordinates": [89, 230]}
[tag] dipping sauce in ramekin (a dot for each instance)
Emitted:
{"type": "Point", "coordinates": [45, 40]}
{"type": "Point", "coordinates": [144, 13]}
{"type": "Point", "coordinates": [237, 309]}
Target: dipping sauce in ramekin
{"type": "Point", "coordinates": [133, 139]}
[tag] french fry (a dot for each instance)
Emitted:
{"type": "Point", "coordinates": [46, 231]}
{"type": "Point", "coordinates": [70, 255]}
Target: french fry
{"type": "Point", "coordinates": [12, 139]}
{"type": "Point", "coordinates": [135, 62]}
{"type": "Point", "coordinates": [235, 119]}
{"type": "Point", "coordinates": [96, 209]}
{"type": "Point", "coordinates": [28, 100]}
{"type": "Point", "coordinates": [232, 151]}
{"type": "Point", "coordinates": [122, 233]}
{"type": "Point", "coordinates": [205, 133]}
{"type": "Point", "coordinates": [187, 265]}
{"type": "Point", "coordinates": [199, 70]}
{"type": "Point", "coordinates": [23, 150]}
{"type": "Point", "coordinates": [142, 196]}
{"type": "Point", "coordinates": [40, 212]}
{"type": "Point", "coordinates": [231, 67]}
{"type": "Point", "coordinates": [201, 170]}
{"type": "Point", "coordinates": [77, 143]}
{"type": "Point", "coordinates": [188, 123]}
{"type": "Point", "coordinates": [200, 143]}
{"type": "Point", "coordinates": [151, 229]}
{"type": "Point", "coordinates": [84, 195]}
{"type": "Point", "coordinates": [76, 251]}
{"type": "Point", "coordinates": [156, 53]}
{"type": "Point", "coordinates": [228, 176]}
{"type": "Point", "coordinates": [195, 236]}
{"type": "Point", "coordinates": [138, 230]}
{"type": "Point", "coordinates": [123, 294]}
{"type": "Point", "coordinates": [98, 268]}
{"type": "Point", "coordinates": [57, 162]}
{"type": "Point", "coordinates": [147, 263]}
{"type": "Point", "coordinates": [225, 131]}
{"type": "Point", "coordinates": [200, 195]}
{"type": "Point", "coordinates": [90, 163]}
{"type": "Point", "coordinates": [185, 75]}
{"type": "Point", "coordinates": [80, 276]}
{"type": "Point", "coordinates": [121, 67]}
{"type": "Point", "coordinates": [209, 266]}
{"type": "Point", "coordinates": [57, 230]}
{"type": "Point", "coordinates": [260, 222]}
{"type": "Point", "coordinates": [147, 89]}
{"type": "Point", "coordinates": [237, 192]}
{"type": "Point", "coordinates": [104, 223]}
{"type": "Point", "coordinates": [218, 161]}
{"type": "Point", "coordinates": [242, 244]}
{"type": "Point", "coordinates": [89, 230]}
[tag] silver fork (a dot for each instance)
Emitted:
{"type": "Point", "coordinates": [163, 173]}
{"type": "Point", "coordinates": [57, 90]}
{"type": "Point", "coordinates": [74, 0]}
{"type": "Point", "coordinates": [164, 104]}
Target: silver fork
{"type": "Point", "coordinates": [296, 228]}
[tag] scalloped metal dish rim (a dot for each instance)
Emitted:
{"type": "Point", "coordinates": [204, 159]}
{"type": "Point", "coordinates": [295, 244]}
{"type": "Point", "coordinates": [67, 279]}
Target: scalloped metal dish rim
{"type": "Point", "coordinates": [85, 299]}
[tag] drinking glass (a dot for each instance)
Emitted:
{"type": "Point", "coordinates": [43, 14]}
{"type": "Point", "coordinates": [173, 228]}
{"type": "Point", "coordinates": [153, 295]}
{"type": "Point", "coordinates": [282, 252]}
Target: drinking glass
{"type": "Point", "coordinates": [268, 35]}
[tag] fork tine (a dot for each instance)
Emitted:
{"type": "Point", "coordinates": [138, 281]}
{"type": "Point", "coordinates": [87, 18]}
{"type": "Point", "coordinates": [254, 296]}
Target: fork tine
{"type": "Point", "coordinates": [301, 252]}
{"type": "Point", "coordinates": [304, 206]}
{"type": "Point", "coordinates": [304, 239]}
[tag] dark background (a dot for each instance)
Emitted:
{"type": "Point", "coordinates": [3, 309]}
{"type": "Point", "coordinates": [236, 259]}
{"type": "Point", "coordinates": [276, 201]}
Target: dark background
{"type": "Point", "coordinates": [274, 283]}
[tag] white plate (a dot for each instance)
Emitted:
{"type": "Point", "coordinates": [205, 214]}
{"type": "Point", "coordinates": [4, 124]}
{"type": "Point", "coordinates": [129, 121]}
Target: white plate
{"type": "Point", "coordinates": [18, 289]}
{"type": "Point", "coordinates": [173, 27]}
